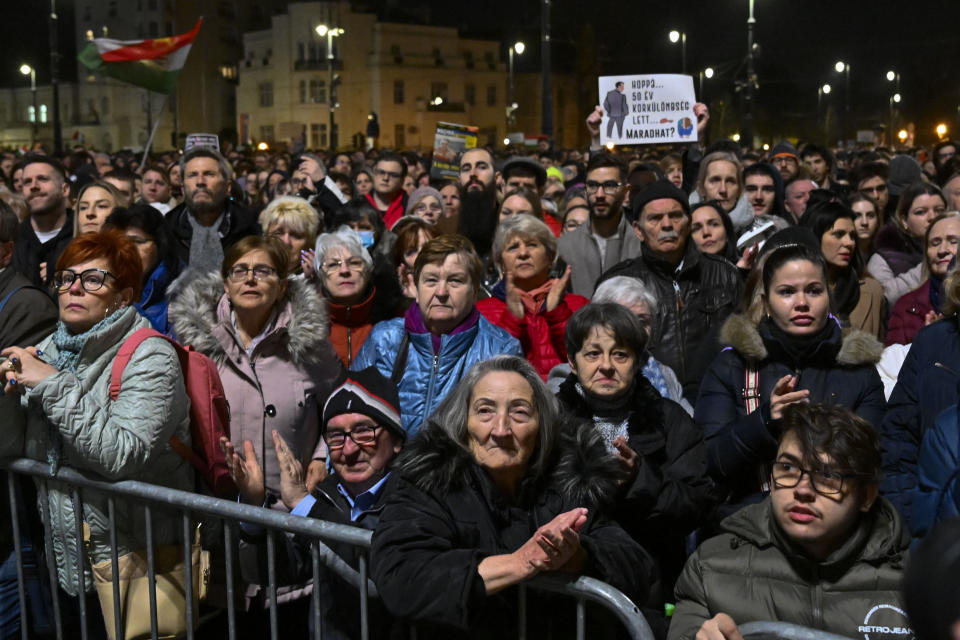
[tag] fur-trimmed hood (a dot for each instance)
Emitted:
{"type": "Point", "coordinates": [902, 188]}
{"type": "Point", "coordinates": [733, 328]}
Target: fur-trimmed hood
{"type": "Point", "coordinates": [857, 347]}
{"type": "Point", "coordinates": [195, 312]}
{"type": "Point", "coordinates": [582, 471]}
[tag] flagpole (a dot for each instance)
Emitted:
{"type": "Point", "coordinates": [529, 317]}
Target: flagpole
{"type": "Point", "coordinates": [153, 132]}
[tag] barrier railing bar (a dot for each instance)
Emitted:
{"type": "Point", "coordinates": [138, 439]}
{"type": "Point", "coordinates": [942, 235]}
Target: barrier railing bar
{"type": "Point", "coordinates": [364, 602]}
{"type": "Point", "coordinates": [44, 501]}
{"type": "Point", "coordinates": [18, 550]}
{"type": "Point", "coordinates": [522, 611]}
{"type": "Point", "coordinates": [785, 631]}
{"type": "Point", "coordinates": [228, 562]}
{"type": "Point", "coordinates": [188, 572]}
{"type": "Point", "coordinates": [315, 593]}
{"type": "Point", "coordinates": [581, 619]}
{"type": "Point", "coordinates": [151, 572]}
{"type": "Point", "coordinates": [114, 566]}
{"type": "Point", "coordinates": [272, 584]}
{"type": "Point", "coordinates": [78, 531]}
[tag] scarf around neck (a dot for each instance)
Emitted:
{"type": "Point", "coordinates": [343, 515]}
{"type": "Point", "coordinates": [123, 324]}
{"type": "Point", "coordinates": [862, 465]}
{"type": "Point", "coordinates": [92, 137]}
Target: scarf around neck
{"type": "Point", "coordinates": [799, 351]}
{"type": "Point", "coordinates": [70, 344]}
{"type": "Point", "coordinates": [206, 251]}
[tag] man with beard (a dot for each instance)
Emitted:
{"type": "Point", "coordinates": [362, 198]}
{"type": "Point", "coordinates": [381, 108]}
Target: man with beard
{"type": "Point", "coordinates": [606, 239]}
{"type": "Point", "coordinates": [695, 291]}
{"type": "Point", "coordinates": [208, 222]}
{"type": "Point", "coordinates": [478, 206]}
{"type": "Point", "coordinates": [44, 235]}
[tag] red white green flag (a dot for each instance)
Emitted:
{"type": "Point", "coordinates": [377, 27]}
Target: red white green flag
{"type": "Point", "coordinates": [151, 64]}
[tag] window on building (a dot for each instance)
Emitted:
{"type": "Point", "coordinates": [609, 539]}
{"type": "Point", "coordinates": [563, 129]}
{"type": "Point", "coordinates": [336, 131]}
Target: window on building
{"type": "Point", "coordinates": [153, 30]}
{"type": "Point", "coordinates": [488, 57]}
{"type": "Point", "coordinates": [492, 95]}
{"type": "Point", "coordinates": [228, 71]}
{"type": "Point", "coordinates": [400, 136]}
{"type": "Point", "coordinates": [43, 113]}
{"type": "Point", "coordinates": [468, 59]}
{"type": "Point", "coordinates": [87, 13]}
{"type": "Point", "coordinates": [266, 94]}
{"type": "Point", "coordinates": [398, 92]}
{"type": "Point", "coordinates": [104, 106]}
{"type": "Point", "coordinates": [438, 90]}
{"type": "Point", "coordinates": [318, 91]}
{"type": "Point", "coordinates": [301, 50]}
{"type": "Point", "coordinates": [397, 56]}
{"type": "Point", "coordinates": [169, 28]}
{"type": "Point", "coordinates": [470, 94]}
{"type": "Point", "coordinates": [318, 135]}
{"type": "Point", "coordinates": [314, 52]}
{"type": "Point", "coordinates": [266, 132]}
{"type": "Point", "coordinates": [31, 114]}
{"type": "Point", "coordinates": [303, 92]}
{"type": "Point", "coordinates": [89, 34]}
{"type": "Point", "coordinates": [437, 57]}
{"type": "Point", "coordinates": [112, 9]}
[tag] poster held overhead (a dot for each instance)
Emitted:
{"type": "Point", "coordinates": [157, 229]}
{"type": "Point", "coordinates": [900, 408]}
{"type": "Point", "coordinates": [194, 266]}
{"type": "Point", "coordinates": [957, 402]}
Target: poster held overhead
{"type": "Point", "coordinates": [647, 109]}
{"type": "Point", "coordinates": [449, 143]}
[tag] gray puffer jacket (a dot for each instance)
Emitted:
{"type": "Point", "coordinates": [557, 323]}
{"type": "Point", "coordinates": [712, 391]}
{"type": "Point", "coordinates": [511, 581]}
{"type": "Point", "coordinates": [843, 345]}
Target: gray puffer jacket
{"type": "Point", "coordinates": [123, 440]}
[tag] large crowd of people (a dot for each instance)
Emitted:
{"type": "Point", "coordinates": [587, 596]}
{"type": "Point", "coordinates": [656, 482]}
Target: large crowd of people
{"type": "Point", "coordinates": [724, 381]}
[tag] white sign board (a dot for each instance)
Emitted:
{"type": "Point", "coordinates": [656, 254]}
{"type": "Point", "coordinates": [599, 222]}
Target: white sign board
{"type": "Point", "coordinates": [209, 140]}
{"type": "Point", "coordinates": [647, 109]}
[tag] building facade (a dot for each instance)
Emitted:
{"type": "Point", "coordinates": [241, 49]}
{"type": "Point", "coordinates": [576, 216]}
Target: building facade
{"type": "Point", "coordinates": [411, 76]}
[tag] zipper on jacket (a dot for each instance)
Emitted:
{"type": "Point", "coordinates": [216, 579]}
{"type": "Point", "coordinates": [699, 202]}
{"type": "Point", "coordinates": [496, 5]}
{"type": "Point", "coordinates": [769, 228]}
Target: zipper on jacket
{"type": "Point", "coordinates": [433, 378]}
{"type": "Point", "coordinates": [816, 601]}
{"type": "Point", "coordinates": [349, 347]}
{"type": "Point", "coordinates": [681, 339]}
{"type": "Point", "coordinates": [945, 368]}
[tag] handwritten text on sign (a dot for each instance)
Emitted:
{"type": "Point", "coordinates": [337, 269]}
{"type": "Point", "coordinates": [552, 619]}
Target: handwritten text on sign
{"type": "Point", "coordinates": [647, 109]}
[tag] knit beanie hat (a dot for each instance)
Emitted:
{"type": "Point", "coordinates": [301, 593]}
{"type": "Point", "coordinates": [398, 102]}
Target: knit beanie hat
{"type": "Point", "coordinates": [784, 148]}
{"type": "Point", "coordinates": [419, 194]}
{"type": "Point", "coordinates": [659, 190]}
{"type": "Point", "coordinates": [368, 392]}
{"type": "Point", "coordinates": [904, 171]}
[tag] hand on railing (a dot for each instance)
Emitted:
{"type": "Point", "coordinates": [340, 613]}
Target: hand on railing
{"type": "Point", "coordinates": [719, 627]}
{"type": "Point", "coordinates": [246, 472]}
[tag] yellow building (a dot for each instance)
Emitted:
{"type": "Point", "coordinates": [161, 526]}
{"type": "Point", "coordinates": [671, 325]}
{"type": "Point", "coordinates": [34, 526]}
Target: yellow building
{"type": "Point", "coordinates": [411, 76]}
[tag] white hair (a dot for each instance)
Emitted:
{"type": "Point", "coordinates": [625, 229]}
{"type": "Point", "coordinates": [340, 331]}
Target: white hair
{"type": "Point", "coordinates": [342, 238]}
{"type": "Point", "coordinates": [626, 291]}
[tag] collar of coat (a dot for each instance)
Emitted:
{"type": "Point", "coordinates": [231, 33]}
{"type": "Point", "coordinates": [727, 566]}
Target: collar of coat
{"type": "Point", "coordinates": [646, 403]}
{"type": "Point", "coordinates": [194, 313]}
{"type": "Point", "coordinates": [741, 333]}
{"type": "Point", "coordinates": [880, 535]}
{"type": "Point", "coordinates": [582, 471]}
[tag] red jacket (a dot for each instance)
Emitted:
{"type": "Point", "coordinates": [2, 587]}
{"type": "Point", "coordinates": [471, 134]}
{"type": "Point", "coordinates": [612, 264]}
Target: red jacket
{"type": "Point", "coordinates": [349, 327]}
{"type": "Point", "coordinates": [394, 212]}
{"type": "Point", "coordinates": [540, 335]}
{"type": "Point", "coordinates": [909, 315]}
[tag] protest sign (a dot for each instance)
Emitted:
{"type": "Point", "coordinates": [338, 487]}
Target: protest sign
{"type": "Point", "coordinates": [450, 142]}
{"type": "Point", "coordinates": [647, 109]}
{"type": "Point", "coordinates": [208, 140]}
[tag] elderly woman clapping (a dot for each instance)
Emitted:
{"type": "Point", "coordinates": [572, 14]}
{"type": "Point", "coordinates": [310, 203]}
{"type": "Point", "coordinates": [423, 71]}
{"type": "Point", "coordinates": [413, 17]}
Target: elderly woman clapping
{"type": "Point", "coordinates": [527, 301]}
{"type": "Point", "coordinates": [68, 416]}
{"type": "Point", "coordinates": [494, 491]}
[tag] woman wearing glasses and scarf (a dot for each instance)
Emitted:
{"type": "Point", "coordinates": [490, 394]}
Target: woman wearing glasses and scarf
{"type": "Point", "coordinates": [73, 422]}
{"type": "Point", "coordinates": [268, 335]}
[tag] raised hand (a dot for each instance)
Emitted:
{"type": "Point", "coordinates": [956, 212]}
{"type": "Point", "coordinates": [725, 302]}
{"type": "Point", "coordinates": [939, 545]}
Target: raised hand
{"type": "Point", "coordinates": [557, 289]}
{"type": "Point", "coordinates": [593, 121]}
{"type": "Point", "coordinates": [245, 471]}
{"type": "Point", "coordinates": [783, 395]}
{"type": "Point", "coordinates": [293, 487]}
{"type": "Point", "coordinates": [703, 117]}
{"type": "Point", "coordinates": [23, 369]}
{"type": "Point", "coordinates": [554, 544]}
{"type": "Point", "coordinates": [628, 459]}
{"type": "Point", "coordinates": [513, 299]}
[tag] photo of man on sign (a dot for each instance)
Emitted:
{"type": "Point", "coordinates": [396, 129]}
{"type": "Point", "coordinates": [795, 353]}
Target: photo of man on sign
{"type": "Point", "coordinates": [615, 104]}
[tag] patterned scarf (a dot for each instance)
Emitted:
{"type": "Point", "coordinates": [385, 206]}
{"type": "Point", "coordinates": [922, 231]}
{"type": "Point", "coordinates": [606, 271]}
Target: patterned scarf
{"type": "Point", "coordinates": [652, 372]}
{"type": "Point", "coordinates": [535, 299]}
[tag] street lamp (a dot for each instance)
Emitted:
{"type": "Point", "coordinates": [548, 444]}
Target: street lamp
{"type": "Point", "coordinates": [682, 37]}
{"type": "Point", "coordinates": [704, 73]}
{"type": "Point", "coordinates": [822, 91]}
{"type": "Point", "coordinates": [893, 76]}
{"type": "Point", "coordinates": [844, 68]}
{"type": "Point", "coordinates": [516, 48]}
{"type": "Point", "coordinates": [27, 70]}
{"type": "Point", "coordinates": [941, 130]}
{"type": "Point", "coordinates": [330, 33]}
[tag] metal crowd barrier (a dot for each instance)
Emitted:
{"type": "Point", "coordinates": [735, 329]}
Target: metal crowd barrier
{"type": "Point", "coordinates": [784, 631]}
{"type": "Point", "coordinates": [231, 514]}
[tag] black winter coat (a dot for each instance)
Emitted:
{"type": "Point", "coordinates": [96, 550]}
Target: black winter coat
{"type": "Point", "coordinates": [29, 253]}
{"type": "Point", "coordinates": [236, 224]}
{"type": "Point", "coordinates": [740, 445]}
{"type": "Point", "coordinates": [927, 385]}
{"type": "Point", "coordinates": [339, 600]}
{"type": "Point", "coordinates": [671, 494]}
{"type": "Point", "coordinates": [446, 515]}
{"type": "Point", "coordinates": [693, 302]}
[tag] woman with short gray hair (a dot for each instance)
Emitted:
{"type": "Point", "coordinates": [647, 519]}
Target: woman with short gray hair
{"type": "Point", "coordinates": [492, 492]}
{"type": "Point", "coordinates": [527, 301]}
{"type": "Point", "coordinates": [345, 269]}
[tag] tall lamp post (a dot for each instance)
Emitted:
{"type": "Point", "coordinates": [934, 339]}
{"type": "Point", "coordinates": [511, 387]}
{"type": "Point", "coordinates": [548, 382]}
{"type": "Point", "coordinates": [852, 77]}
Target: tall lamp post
{"type": "Point", "coordinates": [682, 37]}
{"type": "Point", "coordinates": [844, 68]}
{"type": "Point", "coordinates": [704, 73]}
{"type": "Point", "coordinates": [517, 48]}
{"type": "Point", "coordinates": [751, 82]}
{"type": "Point", "coordinates": [330, 33]}
{"type": "Point", "coordinates": [27, 70]}
{"type": "Point", "coordinates": [823, 91]}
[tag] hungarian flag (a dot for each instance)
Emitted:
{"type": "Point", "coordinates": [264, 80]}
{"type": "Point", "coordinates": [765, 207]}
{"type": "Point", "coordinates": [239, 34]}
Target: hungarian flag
{"type": "Point", "coordinates": [151, 64]}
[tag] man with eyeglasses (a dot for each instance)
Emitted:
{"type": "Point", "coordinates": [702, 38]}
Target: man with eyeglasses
{"type": "Point", "coordinates": [823, 550]}
{"type": "Point", "coordinates": [870, 179]}
{"type": "Point", "coordinates": [606, 238]}
{"type": "Point", "coordinates": [784, 157]}
{"type": "Point", "coordinates": [387, 195]}
{"type": "Point", "coordinates": [362, 430]}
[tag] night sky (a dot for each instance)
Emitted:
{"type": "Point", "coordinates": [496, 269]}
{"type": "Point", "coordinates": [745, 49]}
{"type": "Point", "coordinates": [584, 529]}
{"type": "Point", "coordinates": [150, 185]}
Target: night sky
{"type": "Point", "coordinates": [800, 41]}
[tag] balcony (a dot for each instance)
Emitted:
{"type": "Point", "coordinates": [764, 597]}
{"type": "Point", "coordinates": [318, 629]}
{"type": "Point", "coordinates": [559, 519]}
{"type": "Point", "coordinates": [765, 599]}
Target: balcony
{"type": "Point", "coordinates": [317, 65]}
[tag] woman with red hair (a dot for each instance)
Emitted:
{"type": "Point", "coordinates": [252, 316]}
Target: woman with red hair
{"type": "Point", "coordinates": [74, 422]}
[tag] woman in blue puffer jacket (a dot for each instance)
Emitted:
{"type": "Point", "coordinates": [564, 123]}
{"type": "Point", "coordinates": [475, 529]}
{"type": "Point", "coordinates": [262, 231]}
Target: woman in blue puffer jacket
{"type": "Point", "coordinates": [428, 350]}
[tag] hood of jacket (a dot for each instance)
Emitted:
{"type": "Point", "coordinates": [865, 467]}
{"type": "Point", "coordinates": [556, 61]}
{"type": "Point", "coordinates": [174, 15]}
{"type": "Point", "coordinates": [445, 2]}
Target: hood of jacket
{"type": "Point", "coordinates": [581, 471]}
{"type": "Point", "coordinates": [303, 318]}
{"type": "Point", "coordinates": [857, 347]}
{"type": "Point", "coordinates": [880, 537]}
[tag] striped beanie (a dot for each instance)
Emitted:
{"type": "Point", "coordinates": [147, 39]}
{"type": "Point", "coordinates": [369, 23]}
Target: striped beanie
{"type": "Point", "coordinates": [370, 393]}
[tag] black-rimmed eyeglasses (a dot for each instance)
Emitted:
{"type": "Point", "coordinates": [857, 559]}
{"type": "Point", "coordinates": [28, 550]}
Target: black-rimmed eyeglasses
{"type": "Point", "coordinates": [787, 475]}
{"type": "Point", "coordinates": [362, 436]}
{"type": "Point", "coordinates": [90, 279]}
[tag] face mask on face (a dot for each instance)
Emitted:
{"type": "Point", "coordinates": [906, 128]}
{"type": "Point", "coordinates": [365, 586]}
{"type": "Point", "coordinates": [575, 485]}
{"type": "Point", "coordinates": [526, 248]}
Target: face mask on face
{"type": "Point", "coordinates": [366, 237]}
